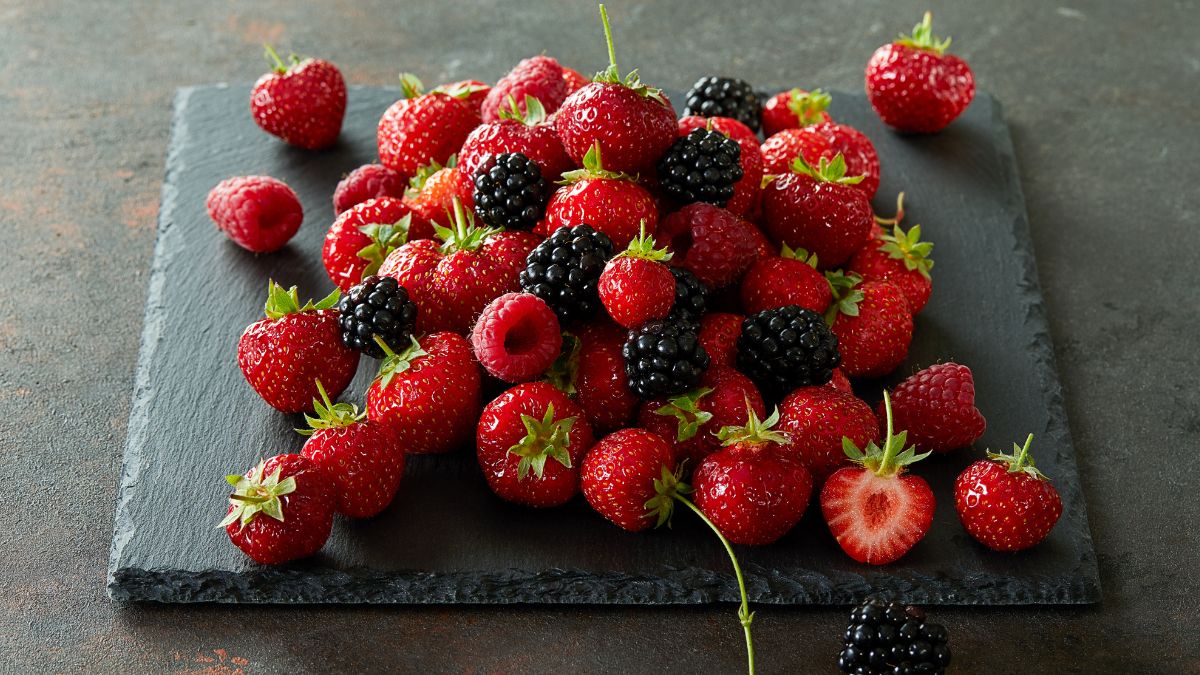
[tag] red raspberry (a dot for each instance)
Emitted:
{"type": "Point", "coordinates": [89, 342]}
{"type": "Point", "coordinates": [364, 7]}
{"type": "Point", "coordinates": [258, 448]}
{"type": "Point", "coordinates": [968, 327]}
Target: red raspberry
{"type": "Point", "coordinates": [574, 79]}
{"type": "Point", "coordinates": [719, 333]}
{"type": "Point", "coordinates": [710, 242]}
{"type": "Point", "coordinates": [258, 213]}
{"type": "Point", "coordinates": [517, 337]}
{"type": "Point", "coordinates": [936, 406]}
{"type": "Point", "coordinates": [540, 77]}
{"type": "Point", "coordinates": [779, 150]}
{"type": "Point", "coordinates": [367, 182]}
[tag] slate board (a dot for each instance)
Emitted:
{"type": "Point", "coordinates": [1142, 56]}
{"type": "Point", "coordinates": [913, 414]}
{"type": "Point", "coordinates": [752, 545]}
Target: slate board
{"type": "Point", "coordinates": [447, 539]}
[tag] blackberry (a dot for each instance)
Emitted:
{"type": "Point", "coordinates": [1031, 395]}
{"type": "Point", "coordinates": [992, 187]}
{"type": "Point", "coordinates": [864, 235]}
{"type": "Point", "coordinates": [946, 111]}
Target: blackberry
{"type": "Point", "coordinates": [701, 167]}
{"type": "Point", "coordinates": [691, 297]}
{"type": "Point", "coordinates": [564, 270]}
{"type": "Point", "coordinates": [663, 359]}
{"type": "Point", "coordinates": [724, 97]}
{"type": "Point", "coordinates": [510, 191]}
{"type": "Point", "coordinates": [377, 306]}
{"type": "Point", "coordinates": [888, 637]}
{"type": "Point", "coordinates": [788, 347]}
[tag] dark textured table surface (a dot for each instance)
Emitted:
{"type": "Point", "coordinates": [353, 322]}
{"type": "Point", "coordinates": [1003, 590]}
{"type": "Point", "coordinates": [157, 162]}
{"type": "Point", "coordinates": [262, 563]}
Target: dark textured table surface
{"type": "Point", "coordinates": [1102, 102]}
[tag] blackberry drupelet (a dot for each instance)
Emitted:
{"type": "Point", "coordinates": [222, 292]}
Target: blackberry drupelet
{"type": "Point", "coordinates": [691, 297]}
{"type": "Point", "coordinates": [510, 191]}
{"type": "Point", "coordinates": [888, 637]}
{"type": "Point", "coordinates": [664, 359]}
{"type": "Point", "coordinates": [377, 306]}
{"type": "Point", "coordinates": [564, 270]}
{"type": "Point", "coordinates": [701, 167]}
{"type": "Point", "coordinates": [725, 97]}
{"type": "Point", "coordinates": [788, 347]}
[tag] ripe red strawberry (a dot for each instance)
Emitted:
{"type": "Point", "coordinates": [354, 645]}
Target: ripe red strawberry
{"type": "Point", "coordinates": [363, 459]}
{"type": "Point", "coordinates": [719, 333]}
{"type": "Point", "coordinates": [790, 278]}
{"type": "Point", "coordinates": [423, 128]}
{"type": "Point", "coordinates": [634, 123]}
{"type": "Point", "coordinates": [872, 323]}
{"type": "Point", "coordinates": [762, 245]}
{"type": "Point", "coordinates": [369, 181]}
{"type": "Point", "coordinates": [780, 151]}
{"type": "Point", "coordinates": [819, 210]}
{"type": "Point", "coordinates": [610, 202]}
{"type": "Point", "coordinates": [472, 92]}
{"type": "Point", "coordinates": [876, 512]}
{"type": "Point", "coordinates": [858, 151]}
{"type": "Point", "coordinates": [901, 258]}
{"type": "Point", "coordinates": [530, 443]}
{"type": "Point", "coordinates": [526, 133]}
{"type": "Point", "coordinates": [280, 510]}
{"type": "Point", "coordinates": [754, 490]}
{"type": "Point", "coordinates": [362, 238]}
{"type": "Point", "coordinates": [1005, 503]}
{"type": "Point", "coordinates": [258, 213]}
{"type": "Point", "coordinates": [283, 355]}
{"type": "Point", "coordinates": [432, 191]}
{"type": "Point", "coordinates": [794, 109]}
{"type": "Point", "coordinates": [690, 422]}
{"type": "Point", "coordinates": [746, 192]}
{"type": "Point", "coordinates": [817, 419]}
{"type": "Point", "coordinates": [517, 337]}
{"type": "Point", "coordinates": [600, 381]}
{"type": "Point", "coordinates": [302, 103]}
{"type": "Point", "coordinates": [574, 79]}
{"type": "Point", "coordinates": [914, 85]}
{"type": "Point", "coordinates": [629, 478]}
{"type": "Point", "coordinates": [428, 394]}
{"type": "Point", "coordinates": [636, 286]}
{"type": "Point", "coordinates": [937, 408]}
{"type": "Point", "coordinates": [539, 77]}
{"type": "Point", "coordinates": [710, 242]}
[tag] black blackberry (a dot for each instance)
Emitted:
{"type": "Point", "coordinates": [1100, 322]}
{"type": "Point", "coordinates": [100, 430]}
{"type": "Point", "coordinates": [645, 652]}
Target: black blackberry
{"type": "Point", "coordinates": [724, 97]}
{"type": "Point", "coordinates": [663, 359]}
{"type": "Point", "coordinates": [564, 270]}
{"type": "Point", "coordinates": [691, 297]}
{"type": "Point", "coordinates": [888, 637]}
{"type": "Point", "coordinates": [781, 349]}
{"type": "Point", "coordinates": [377, 306]}
{"type": "Point", "coordinates": [701, 167]}
{"type": "Point", "coordinates": [510, 191]}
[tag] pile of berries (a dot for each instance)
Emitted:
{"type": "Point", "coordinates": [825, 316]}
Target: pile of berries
{"type": "Point", "coordinates": [670, 325]}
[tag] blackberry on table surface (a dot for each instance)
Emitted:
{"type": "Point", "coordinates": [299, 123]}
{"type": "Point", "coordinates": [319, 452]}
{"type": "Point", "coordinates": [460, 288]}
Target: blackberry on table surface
{"type": "Point", "coordinates": [510, 191]}
{"type": "Point", "coordinates": [891, 638]}
{"type": "Point", "coordinates": [787, 347]}
{"type": "Point", "coordinates": [691, 297]}
{"type": "Point", "coordinates": [725, 97]}
{"type": "Point", "coordinates": [377, 306]}
{"type": "Point", "coordinates": [701, 167]}
{"type": "Point", "coordinates": [564, 270]}
{"type": "Point", "coordinates": [664, 359]}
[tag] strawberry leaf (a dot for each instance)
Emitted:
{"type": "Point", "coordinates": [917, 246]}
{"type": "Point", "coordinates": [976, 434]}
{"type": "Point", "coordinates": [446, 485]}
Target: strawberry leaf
{"type": "Point", "coordinates": [808, 105]}
{"type": "Point", "coordinates": [922, 37]}
{"type": "Point", "coordinates": [545, 438]}
{"type": "Point", "coordinates": [686, 409]}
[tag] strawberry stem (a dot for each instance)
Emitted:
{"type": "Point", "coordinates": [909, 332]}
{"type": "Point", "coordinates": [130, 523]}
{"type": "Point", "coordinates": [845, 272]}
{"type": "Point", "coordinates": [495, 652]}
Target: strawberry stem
{"type": "Point", "coordinates": [1022, 458]}
{"type": "Point", "coordinates": [894, 220]}
{"type": "Point", "coordinates": [612, 51]}
{"type": "Point", "coordinates": [273, 59]}
{"type": "Point", "coordinates": [887, 464]}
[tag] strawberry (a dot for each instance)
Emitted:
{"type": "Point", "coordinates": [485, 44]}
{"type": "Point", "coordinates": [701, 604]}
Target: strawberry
{"type": "Point", "coordinates": [634, 123]}
{"type": "Point", "coordinates": [609, 202]}
{"type": "Point", "coordinates": [259, 213]}
{"type": "Point", "coordinates": [432, 191]}
{"type": "Point", "coordinates": [746, 192]}
{"type": "Point", "coordinates": [719, 333]}
{"type": "Point", "coordinates": [1005, 503]}
{"type": "Point", "coordinates": [762, 245]}
{"type": "Point", "coordinates": [526, 132]}
{"type": "Point", "coordinates": [790, 278]}
{"type": "Point", "coordinates": [539, 78]}
{"type": "Point", "coordinates": [872, 323]}
{"type": "Point", "coordinates": [427, 394]}
{"type": "Point", "coordinates": [937, 408]}
{"type": "Point", "coordinates": [780, 150]}
{"type": "Point", "coordinates": [574, 79]}
{"type": "Point", "coordinates": [368, 181]}
{"type": "Point", "coordinates": [362, 238]}
{"type": "Point", "coordinates": [690, 422]}
{"type": "Point", "coordinates": [818, 209]}
{"type": "Point", "coordinates": [423, 128]}
{"type": "Point", "coordinates": [283, 355]}
{"type": "Point", "coordinates": [914, 85]}
{"type": "Point", "coordinates": [530, 442]}
{"type": "Point", "coordinates": [302, 103]}
{"type": "Point", "coordinates": [794, 109]}
{"type": "Point", "coordinates": [876, 512]}
{"type": "Point", "coordinates": [817, 419]}
{"type": "Point", "coordinates": [363, 459]}
{"type": "Point", "coordinates": [280, 510]}
{"type": "Point", "coordinates": [901, 258]}
{"type": "Point", "coordinates": [628, 477]}
{"type": "Point", "coordinates": [472, 92]}
{"type": "Point", "coordinates": [600, 381]}
{"type": "Point", "coordinates": [710, 242]}
{"type": "Point", "coordinates": [856, 148]}
{"type": "Point", "coordinates": [636, 286]}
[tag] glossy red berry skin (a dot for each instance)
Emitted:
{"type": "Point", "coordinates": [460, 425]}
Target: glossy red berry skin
{"type": "Point", "coordinates": [873, 264]}
{"type": "Point", "coordinates": [304, 105]}
{"type": "Point", "coordinates": [711, 242]}
{"type": "Point", "coordinates": [636, 290]}
{"type": "Point", "coordinates": [601, 383]}
{"type": "Point", "coordinates": [1005, 511]}
{"type": "Point", "coordinates": [516, 337]}
{"type": "Point", "coordinates": [753, 492]}
{"type": "Point", "coordinates": [307, 515]}
{"type": "Point", "coordinates": [777, 116]}
{"type": "Point", "coordinates": [780, 149]}
{"type": "Point", "coordinates": [283, 358]}
{"type": "Point", "coordinates": [719, 332]}
{"type": "Point", "coordinates": [259, 213]}
{"type": "Point", "coordinates": [832, 220]}
{"type": "Point", "coordinates": [368, 181]}
{"type": "Point", "coordinates": [916, 90]}
{"type": "Point", "coordinates": [365, 463]}
{"type": "Point", "coordinates": [817, 419]}
{"type": "Point", "coordinates": [417, 131]}
{"type": "Point", "coordinates": [875, 342]}
{"type": "Point", "coordinates": [936, 406]}
{"type": "Point", "coordinates": [540, 77]}
{"type": "Point", "coordinates": [538, 142]}
{"type": "Point", "coordinates": [619, 473]}
{"type": "Point", "coordinates": [612, 206]}
{"type": "Point", "coordinates": [857, 150]}
{"type": "Point", "coordinates": [775, 281]}
{"type": "Point", "coordinates": [345, 238]}
{"type": "Point", "coordinates": [633, 130]}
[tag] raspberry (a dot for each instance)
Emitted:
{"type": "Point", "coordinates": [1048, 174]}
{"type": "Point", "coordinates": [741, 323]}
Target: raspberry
{"type": "Point", "coordinates": [710, 242]}
{"type": "Point", "coordinates": [517, 337]}
{"type": "Point", "coordinates": [937, 408]}
{"type": "Point", "coordinates": [259, 213]}
{"type": "Point", "coordinates": [540, 77]}
{"type": "Point", "coordinates": [367, 182]}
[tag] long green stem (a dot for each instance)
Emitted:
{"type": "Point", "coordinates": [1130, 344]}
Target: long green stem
{"type": "Point", "coordinates": [745, 616]}
{"type": "Point", "coordinates": [1024, 456]}
{"type": "Point", "coordinates": [889, 450]}
{"type": "Point", "coordinates": [612, 52]}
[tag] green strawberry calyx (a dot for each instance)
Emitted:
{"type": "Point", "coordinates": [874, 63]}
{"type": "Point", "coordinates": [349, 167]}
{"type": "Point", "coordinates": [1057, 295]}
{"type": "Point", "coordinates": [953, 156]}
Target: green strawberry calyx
{"type": "Point", "coordinates": [384, 240]}
{"type": "Point", "coordinates": [544, 438]}
{"type": "Point", "coordinates": [534, 114]}
{"type": "Point", "coordinates": [411, 85]}
{"type": "Point", "coordinates": [922, 37]}
{"type": "Point", "coordinates": [686, 408]}
{"type": "Point", "coordinates": [330, 415]}
{"type": "Point", "coordinates": [461, 90]}
{"type": "Point", "coordinates": [893, 458]}
{"type": "Point", "coordinates": [255, 493]}
{"type": "Point", "coordinates": [667, 489]}
{"type": "Point", "coordinates": [1020, 461]}
{"type": "Point", "coordinates": [277, 64]}
{"type": "Point", "coordinates": [826, 171]}
{"type": "Point", "coordinates": [643, 247]}
{"type": "Point", "coordinates": [808, 105]}
{"type": "Point", "coordinates": [423, 174]}
{"type": "Point", "coordinates": [846, 294]}
{"type": "Point", "coordinates": [281, 303]}
{"type": "Point", "coordinates": [755, 431]}
{"type": "Point", "coordinates": [593, 168]}
{"type": "Point", "coordinates": [612, 75]}
{"type": "Point", "coordinates": [800, 254]}
{"type": "Point", "coordinates": [395, 363]}
{"type": "Point", "coordinates": [561, 374]}
{"type": "Point", "coordinates": [465, 235]}
{"type": "Point", "coordinates": [908, 247]}
{"type": "Point", "coordinates": [894, 220]}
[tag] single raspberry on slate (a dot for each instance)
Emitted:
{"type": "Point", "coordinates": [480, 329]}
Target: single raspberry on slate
{"type": "Point", "coordinates": [258, 213]}
{"type": "Point", "coordinates": [367, 182]}
{"type": "Point", "coordinates": [517, 337]}
{"type": "Point", "coordinates": [936, 406]}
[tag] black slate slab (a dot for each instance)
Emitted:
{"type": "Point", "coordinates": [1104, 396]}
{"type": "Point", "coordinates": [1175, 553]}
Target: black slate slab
{"type": "Point", "coordinates": [446, 539]}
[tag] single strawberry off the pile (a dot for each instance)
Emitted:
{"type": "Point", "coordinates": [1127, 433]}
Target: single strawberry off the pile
{"type": "Point", "coordinates": [819, 209]}
{"type": "Point", "coordinates": [283, 355]}
{"type": "Point", "coordinates": [302, 103]}
{"type": "Point", "coordinates": [636, 285]}
{"type": "Point", "coordinates": [364, 236]}
{"type": "Point", "coordinates": [424, 128]}
{"type": "Point", "coordinates": [280, 510]}
{"type": "Point", "coordinates": [817, 419]}
{"type": "Point", "coordinates": [790, 278]}
{"type": "Point", "coordinates": [914, 85]}
{"type": "Point", "coordinates": [608, 201]}
{"type": "Point", "coordinates": [259, 213]}
{"type": "Point", "coordinates": [1005, 502]}
{"type": "Point", "coordinates": [937, 408]}
{"type": "Point", "coordinates": [872, 322]}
